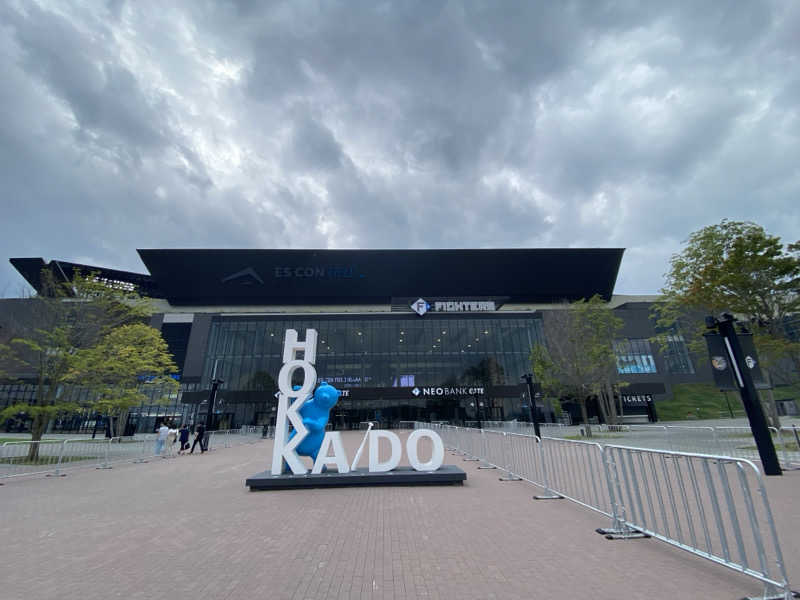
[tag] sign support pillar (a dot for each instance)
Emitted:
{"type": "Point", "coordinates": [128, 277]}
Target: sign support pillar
{"type": "Point", "coordinates": [752, 404]}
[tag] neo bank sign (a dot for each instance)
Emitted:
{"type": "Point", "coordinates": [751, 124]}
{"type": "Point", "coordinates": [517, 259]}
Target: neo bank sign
{"type": "Point", "coordinates": [307, 409]}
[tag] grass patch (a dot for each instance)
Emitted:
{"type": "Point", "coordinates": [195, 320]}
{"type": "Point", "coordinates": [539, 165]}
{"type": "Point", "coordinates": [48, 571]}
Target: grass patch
{"type": "Point", "coordinates": [787, 392]}
{"type": "Point", "coordinates": [790, 446]}
{"type": "Point", "coordinates": [692, 401]}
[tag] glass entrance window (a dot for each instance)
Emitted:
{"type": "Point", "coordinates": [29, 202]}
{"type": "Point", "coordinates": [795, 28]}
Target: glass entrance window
{"type": "Point", "coordinates": [376, 352]}
{"type": "Point", "coordinates": [373, 352]}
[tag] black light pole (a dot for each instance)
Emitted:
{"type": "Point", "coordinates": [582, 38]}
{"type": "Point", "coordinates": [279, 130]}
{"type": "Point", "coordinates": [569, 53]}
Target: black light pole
{"type": "Point", "coordinates": [744, 381]}
{"type": "Point", "coordinates": [532, 402]}
{"type": "Point", "coordinates": [212, 396]}
{"type": "Point", "coordinates": [215, 383]}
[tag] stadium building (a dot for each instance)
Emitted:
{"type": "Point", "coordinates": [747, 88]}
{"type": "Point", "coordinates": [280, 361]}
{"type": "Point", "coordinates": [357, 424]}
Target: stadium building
{"type": "Point", "coordinates": [440, 335]}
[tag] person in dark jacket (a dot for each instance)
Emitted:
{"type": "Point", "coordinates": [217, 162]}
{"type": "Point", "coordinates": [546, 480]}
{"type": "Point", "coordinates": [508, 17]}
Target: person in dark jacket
{"type": "Point", "coordinates": [183, 438]}
{"type": "Point", "coordinates": [199, 437]}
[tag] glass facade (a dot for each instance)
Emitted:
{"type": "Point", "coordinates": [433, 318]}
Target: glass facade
{"type": "Point", "coordinates": [376, 352]}
{"type": "Point", "coordinates": [634, 356]}
{"type": "Point", "coordinates": [676, 355]}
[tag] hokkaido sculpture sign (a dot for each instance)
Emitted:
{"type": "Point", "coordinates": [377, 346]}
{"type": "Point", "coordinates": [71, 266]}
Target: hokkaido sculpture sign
{"type": "Point", "coordinates": [307, 410]}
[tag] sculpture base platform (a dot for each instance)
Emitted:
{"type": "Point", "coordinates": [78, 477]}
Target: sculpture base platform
{"type": "Point", "coordinates": [444, 475]}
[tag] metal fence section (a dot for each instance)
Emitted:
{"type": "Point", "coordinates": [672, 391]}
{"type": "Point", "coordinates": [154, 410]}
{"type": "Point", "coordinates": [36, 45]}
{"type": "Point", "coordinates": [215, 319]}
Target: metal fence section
{"type": "Point", "coordinates": [789, 439]}
{"type": "Point", "coordinates": [685, 438]}
{"type": "Point", "coordinates": [227, 438]}
{"type": "Point", "coordinates": [575, 471]}
{"type": "Point", "coordinates": [56, 457]}
{"type": "Point", "coordinates": [712, 506]}
{"type": "Point", "coordinates": [736, 441]}
{"type": "Point", "coordinates": [715, 507]}
{"type": "Point", "coordinates": [28, 458]}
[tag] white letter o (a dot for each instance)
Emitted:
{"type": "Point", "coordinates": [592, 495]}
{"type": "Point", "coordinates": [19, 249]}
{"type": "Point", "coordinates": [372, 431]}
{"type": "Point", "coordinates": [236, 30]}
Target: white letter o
{"type": "Point", "coordinates": [437, 456]}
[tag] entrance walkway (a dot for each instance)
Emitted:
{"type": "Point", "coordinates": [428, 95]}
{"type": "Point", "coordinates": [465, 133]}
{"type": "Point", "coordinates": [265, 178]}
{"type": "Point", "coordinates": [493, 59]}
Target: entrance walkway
{"type": "Point", "coordinates": [188, 527]}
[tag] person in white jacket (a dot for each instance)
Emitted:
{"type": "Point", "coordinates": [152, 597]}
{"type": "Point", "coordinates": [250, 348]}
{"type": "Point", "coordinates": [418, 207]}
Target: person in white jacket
{"type": "Point", "coordinates": [161, 437]}
{"type": "Point", "coordinates": [172, 436]}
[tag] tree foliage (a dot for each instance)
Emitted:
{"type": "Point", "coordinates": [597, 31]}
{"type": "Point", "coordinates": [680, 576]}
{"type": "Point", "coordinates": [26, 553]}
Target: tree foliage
{"type": "Point", "coordinates": [120, 366]}
{"type": "Point", "coordinates": [51, 343]}
{"type": "Point", "coordinates": [579, 359]}
{"type": "Point", "coordinates": [735, 267]}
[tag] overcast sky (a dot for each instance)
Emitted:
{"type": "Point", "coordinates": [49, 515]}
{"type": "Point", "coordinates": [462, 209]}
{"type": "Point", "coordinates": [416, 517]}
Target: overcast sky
{"type": "Point", "coordinates": [426, 124]}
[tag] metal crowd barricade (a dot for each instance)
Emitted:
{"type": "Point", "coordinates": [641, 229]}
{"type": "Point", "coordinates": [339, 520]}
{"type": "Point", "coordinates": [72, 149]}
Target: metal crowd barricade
{"type": "Point", "coordinates": [549, 426]}
{"type": "Point", "coordinates": [686, 438]}
{"type": "Point", "coordinates": [712, 506]}
{"type": "Point", "coordinates": [81, 453]}
{"type": "Point", "coordinates": [17, 458]}
{"type": "Point", "coordinates": [218, 437]}
{"type": "Point", "coordinates": [715, 507]}
{"type": "Point", "coordinates": [508, 457]}
{"type": "Point", "coordinates": [739, 442]}
{"type": "Point", "coordinates": [56, 457]}
{"type": "Point", "coordinates": [648, 436]}
{"type": "Point", "coordinates": [575, 470]}
{"type": "Point", "coordinates": [789, 439]}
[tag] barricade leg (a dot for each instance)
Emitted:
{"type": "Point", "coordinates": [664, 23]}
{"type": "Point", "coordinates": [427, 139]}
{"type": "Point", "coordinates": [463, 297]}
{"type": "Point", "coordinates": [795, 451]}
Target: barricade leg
{"type": "Point", "coordinates": [58, 472]}
{"type": "Point", "coordinates": [618, 530]}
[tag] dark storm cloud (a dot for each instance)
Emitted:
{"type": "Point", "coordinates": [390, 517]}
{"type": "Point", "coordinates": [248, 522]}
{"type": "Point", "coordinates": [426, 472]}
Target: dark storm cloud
{"type": "Point", "coordinates": [394, 124]}
{"type": "Point", "coordinates": [104, 97]}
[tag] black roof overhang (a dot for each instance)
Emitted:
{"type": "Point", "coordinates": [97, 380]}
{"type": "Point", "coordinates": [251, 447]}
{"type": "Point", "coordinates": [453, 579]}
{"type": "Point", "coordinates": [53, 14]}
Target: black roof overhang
{"type": "Point", "coordinates": [291, 277]}
{"type": "Point", "coordinates": [31, 270]}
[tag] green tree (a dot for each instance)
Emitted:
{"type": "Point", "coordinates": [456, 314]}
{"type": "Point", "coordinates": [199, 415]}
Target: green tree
{"type": "Point", "coordinates": [62, 320]}
{"type": "Point", "coordinates": [120, 368]}
{"type": "Point", "coordinates": [578, 360]}
{"type": "Point", "coordinates": [736, 267]}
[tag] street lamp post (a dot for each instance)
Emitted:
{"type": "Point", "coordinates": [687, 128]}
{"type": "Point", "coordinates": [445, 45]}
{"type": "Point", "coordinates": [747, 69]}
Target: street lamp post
{"type": "Point", "coordinates": [528, 377]}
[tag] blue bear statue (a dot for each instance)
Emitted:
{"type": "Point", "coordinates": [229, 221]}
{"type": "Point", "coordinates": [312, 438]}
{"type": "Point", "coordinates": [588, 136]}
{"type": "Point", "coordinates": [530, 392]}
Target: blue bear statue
{"type": "Point", "coordinates": [315, 412]}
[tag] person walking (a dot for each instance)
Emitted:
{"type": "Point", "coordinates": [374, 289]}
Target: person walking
{"type": "Point", "coordinates": [172, 436]}
{"type": "Point", "coordinates": [161, 438]}
{"type": "Point", "coordinates": [199, 437]}
{"type": "Point", "coordinates": [183, 438]}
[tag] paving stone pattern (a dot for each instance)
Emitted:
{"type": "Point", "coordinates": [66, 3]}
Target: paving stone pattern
{"type": "Point", "coordinates": [189, 528]}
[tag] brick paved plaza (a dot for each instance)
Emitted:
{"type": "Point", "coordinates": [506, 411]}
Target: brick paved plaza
{"type": "Point", "coordinates": [188, 528]}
